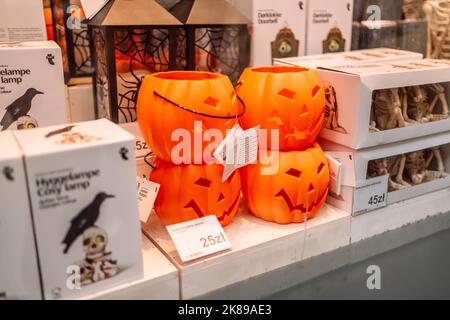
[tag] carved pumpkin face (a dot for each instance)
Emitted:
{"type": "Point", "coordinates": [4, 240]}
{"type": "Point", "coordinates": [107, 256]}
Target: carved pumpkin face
{"type": "Point", "coordinates": [294, 192]}
{"type": "Point", "coordinates": [290, 99]}
{"type": "Point", "coordinates": [203, 92]}
{"type": "Point", "coordinates": [189, 192]}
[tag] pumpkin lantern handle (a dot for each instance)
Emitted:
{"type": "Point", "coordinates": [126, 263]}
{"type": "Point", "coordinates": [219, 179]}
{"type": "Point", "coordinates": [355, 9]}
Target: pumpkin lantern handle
{"type": "Point", "coordinates": [201, 113]}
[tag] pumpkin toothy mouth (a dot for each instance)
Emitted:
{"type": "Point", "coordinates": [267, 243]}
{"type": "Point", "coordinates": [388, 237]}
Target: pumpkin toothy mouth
{"type": "Point", "coordinates": [194, 206]}
{"type": "Point", "coordinates": [301, 207]}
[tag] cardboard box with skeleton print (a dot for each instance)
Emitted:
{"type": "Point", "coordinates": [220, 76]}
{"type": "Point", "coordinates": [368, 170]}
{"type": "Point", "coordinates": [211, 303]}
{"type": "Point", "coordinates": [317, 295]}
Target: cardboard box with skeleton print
{"type": "Point", "coordinates": [82, 186]}
{"type": "Point", "coordinates": [278, 29]}
{"type": "Point", "coordinates": [374, 104]}
{"type": "Point", "coordinates": [19, 276]}
{"type": "Point", "coordinates": [414, 167]}
{"type": "Point", "coordinates": [32, 92]}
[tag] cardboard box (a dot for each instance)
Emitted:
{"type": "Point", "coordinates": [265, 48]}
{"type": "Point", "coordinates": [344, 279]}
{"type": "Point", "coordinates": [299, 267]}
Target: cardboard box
{"type": "Point", "coordinates": [82, 185]}
{"type": "Point", "coordinates": [278, 30]}
{"type": "Point", "coordinates": [19, 276]}
{"type": "Point", "coordinates": [31, 85]}
{"type": "Point", "coordinates": [81, 99]}
{"type": "Point", "coordinates": [358, 169]}
{"type": "Point", "coordinates": [349, 58]}
{"type": "Point", "coordinates": [22, 21]}
{"type": "Point", "coordinates": [360, 113]}
{"type": "Point", "coordinates": [329, 26]}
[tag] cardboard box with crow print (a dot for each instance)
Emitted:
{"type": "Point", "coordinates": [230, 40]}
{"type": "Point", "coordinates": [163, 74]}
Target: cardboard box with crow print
{"type": "Point", "coordinates": [19, 273]}
{"type": "Point", "coordinates": [32, 90]}
{"type": "Point", "coordinates": [82, 185]}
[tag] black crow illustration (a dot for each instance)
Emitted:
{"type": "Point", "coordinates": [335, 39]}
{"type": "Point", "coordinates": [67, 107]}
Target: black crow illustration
{"type": "Point", "coordinates": [59, 131]}
{"type": "Point", "coordinates": [19, 108]}
{"type": "Point", "coordinates": [84, 220]}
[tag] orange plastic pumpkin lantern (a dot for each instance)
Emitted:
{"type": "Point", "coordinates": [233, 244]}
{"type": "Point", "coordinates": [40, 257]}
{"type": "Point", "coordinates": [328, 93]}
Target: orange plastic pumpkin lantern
{"type": "Point", "coordinates": [184, 100]}
{"type": "Point", "coordinates": [189, 192]}
{"type": "Point", "coordinates": [295, 187]}
{"type": "Point", "coordinates": [290, 99]}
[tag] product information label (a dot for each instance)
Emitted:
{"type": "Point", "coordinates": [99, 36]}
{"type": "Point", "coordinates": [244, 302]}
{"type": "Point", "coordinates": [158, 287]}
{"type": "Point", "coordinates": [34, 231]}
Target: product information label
{"type": "Point", "coordinates": [198, 238]}
{"type": "Point", "coordinates": [147, 192]}
{"type": "Point", "coordinates": [371, 195]}
{"type": "Point", "coordinates": [238, 149]}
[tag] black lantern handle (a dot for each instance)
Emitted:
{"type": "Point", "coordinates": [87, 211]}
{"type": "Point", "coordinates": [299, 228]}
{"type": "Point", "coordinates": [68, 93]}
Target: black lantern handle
{"type": "Point", "coordinates": [201, 113]}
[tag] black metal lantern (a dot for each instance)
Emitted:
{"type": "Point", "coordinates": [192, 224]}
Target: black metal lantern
{"type": "Point", "coordinates": [214, 36]}
{"type": "Point", "coordinates": [72, 35]}
{"type": "Point", "coordinates": [130, 39]}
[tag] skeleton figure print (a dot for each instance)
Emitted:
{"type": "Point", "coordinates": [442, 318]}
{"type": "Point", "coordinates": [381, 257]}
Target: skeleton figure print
{"type": "Point", "coordinates": [334, 42]}
{"type": "Point", "coordinates": [98, 263]}
{"type": "Point", "coordinates": [331, 110]}
{"type": "Point", "coordinates": [285, 44]}
{"type": "Point", "coordinates": [406, 170]}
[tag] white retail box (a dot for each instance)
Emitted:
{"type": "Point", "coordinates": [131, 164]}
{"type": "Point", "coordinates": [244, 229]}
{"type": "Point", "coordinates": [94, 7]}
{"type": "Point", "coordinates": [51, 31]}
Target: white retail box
{"type": "Point", "coordinates": [329, 26]}
{"type": "Point", "coordinates": [32, 91]}
{"type": "Point", "coordinates": [82, 185]}
{"type": "Point", "coordinates": [278, 28]}
{"type": "Point", "coordinates": [81, 99]}
{"type": "Point", "coordinates": [349, 58]}
{"type": "Point", "coordinates": [22, 20]}
{"type": "Point", "coordinates": [19, 276]}
{"type": "Point", "coordinates": [414, 167]}
{"type": "Point", "coordinates": [380, 103]}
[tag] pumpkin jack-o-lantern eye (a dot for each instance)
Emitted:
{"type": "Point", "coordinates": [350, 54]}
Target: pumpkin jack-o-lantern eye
{"type": "Point", "coordinates": [230, 178]}
{"type": "Point", "coordinates": [221, 198]}
{"type": "Point", "coordinates": [212, 102]}
{"type": "Point", "coordinates": [320, 168]}
{"type": "Point", "coordinates": [315, 91]}
{"type": "Point", "coordinates": [287, 94]}
{"type": "Point", "coordinates": [203, 182]}
{"type": "Point", "coordinates": [294, 173]}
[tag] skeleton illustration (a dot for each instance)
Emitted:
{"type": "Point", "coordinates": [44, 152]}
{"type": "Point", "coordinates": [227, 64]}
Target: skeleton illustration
{"type": "Point", "coordinates": [26, 122]}
{"type": "Point", "coordinates": [331, 110]}
{"type": "Point", "coordinates": [438, 16]}
{"type": "Point", "coordinates": [409, 169]}
{"type": "Point", "coordinates": [98, 264]}
{"type": "Point", "coordinates": [388, 110]}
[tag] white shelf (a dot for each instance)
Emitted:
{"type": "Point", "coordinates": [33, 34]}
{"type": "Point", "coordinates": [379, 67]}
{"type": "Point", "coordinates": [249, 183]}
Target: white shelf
{"type": "Point", "coordinates": [160, 281]}
{"type": "Point", "coordinates": [279, 256]}
{"type": "Point", "coordinates": [258, 247]}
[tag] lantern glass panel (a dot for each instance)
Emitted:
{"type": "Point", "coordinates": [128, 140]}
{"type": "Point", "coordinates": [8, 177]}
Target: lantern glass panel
{"type": "Point", "coordinates": [138, 52]}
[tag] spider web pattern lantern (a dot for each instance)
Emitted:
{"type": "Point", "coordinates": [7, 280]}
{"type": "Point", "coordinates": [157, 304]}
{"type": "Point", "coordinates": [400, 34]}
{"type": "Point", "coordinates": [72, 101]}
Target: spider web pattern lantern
{"type": "Point", "coordinates": [214, 37]}
{"type": "Point", "coordinates": [130, 39]}
{"type": "Point", "coordinates": [72, 35]}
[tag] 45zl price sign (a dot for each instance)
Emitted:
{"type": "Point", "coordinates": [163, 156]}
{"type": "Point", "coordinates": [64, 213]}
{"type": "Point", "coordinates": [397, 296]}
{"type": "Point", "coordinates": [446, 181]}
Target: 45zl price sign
{"type": "Point", "coordinates": [371, 195]}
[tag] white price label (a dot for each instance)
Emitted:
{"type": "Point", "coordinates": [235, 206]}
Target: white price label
{"type": "Point", "coordinates": [147, 192]}
{"type": "Point", "coordinates": [141, 147]}
{"type": "Point", "coordinates": [371, 195]}
{"type": "Point", "coordinates": [198, 238]}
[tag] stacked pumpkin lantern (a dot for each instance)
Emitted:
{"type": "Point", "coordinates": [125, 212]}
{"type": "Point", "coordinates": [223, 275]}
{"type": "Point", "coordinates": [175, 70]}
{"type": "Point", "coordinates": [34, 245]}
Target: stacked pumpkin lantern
{"type": "Point", "coordinates": [175, 110]}
{"type": "Point", "coordinates": [290, 183]}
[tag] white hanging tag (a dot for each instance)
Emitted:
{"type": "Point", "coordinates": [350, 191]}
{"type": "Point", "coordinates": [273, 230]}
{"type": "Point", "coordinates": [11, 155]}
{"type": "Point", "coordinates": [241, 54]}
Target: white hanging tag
{"type": "Point", "coordinates": [147, 192]}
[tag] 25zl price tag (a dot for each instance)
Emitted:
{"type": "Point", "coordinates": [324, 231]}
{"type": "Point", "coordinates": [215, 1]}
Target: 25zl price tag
{"type": "Point", "coordinates": [198, 238]}
{"type": "Point", "coordinates": [371, 195]}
